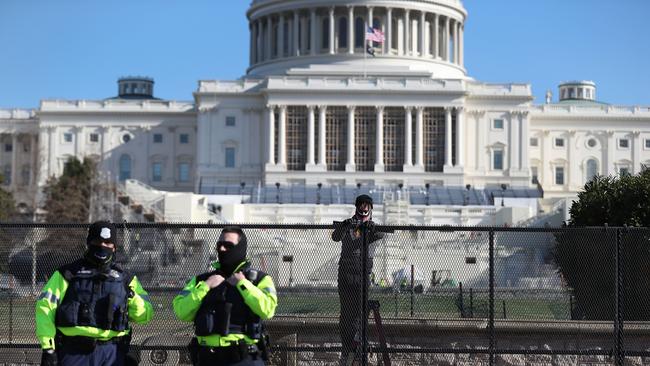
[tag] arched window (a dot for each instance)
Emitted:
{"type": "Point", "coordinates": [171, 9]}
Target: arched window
{"type": "Point", "coordinates": [592, 169]}
{"type": "Point", "coordinates": [359, 32]}
{"type": "Point", "coordinates": [325, 40]}
{"type": "Point", "coordinates": [125, 167]}
{"type": "Point", "coordinates": [343, 32]}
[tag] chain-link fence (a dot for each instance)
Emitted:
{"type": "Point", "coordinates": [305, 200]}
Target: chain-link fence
{"type": "Point", "coordinates": [432, 295]}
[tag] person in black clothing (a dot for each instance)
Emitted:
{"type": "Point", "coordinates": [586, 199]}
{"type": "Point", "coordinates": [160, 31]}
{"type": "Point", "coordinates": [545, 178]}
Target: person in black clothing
{"type": "Point", "coordinates": [350, 233]}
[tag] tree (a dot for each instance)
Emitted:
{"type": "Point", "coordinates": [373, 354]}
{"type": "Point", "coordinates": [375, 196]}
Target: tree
{"type": "Point", "coordinates": [70, 199]}
{"type": "Point", "coordinates": [7, 213]}
{"type": "Point", "coordinates": [586, 257]}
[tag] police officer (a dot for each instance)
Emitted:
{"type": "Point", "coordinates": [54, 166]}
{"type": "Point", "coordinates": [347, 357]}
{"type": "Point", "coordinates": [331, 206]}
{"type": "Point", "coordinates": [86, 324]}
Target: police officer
{"type": "Point", "coordinates": [83, 313]}
{"type": "Point", "coordinates": [227, 306]}
{"type": "Point", "coordinates": [350, 276]}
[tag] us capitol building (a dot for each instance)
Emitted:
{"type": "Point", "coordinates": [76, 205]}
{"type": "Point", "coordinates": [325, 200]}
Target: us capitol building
{"type": "Point", "coordinates": [314, 110]}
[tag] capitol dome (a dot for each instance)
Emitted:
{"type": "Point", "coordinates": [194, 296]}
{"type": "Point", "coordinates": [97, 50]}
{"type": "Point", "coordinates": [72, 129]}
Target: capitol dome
{"type": "Point", "coordinates": [289, 37]}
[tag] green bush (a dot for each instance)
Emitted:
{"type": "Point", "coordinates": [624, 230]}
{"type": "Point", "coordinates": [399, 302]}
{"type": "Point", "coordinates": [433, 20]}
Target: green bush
{"type": "Point", "coordinates": [585, 257]}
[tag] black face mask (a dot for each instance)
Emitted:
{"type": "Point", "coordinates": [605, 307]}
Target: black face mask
{"type": "Point", "coordinates": [99, 255]}
{"type": "Point", "coordinates": [233, 257]}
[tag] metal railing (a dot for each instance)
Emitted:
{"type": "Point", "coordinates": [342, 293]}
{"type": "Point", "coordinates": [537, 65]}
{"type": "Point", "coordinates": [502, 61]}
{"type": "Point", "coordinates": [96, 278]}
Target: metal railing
{"type": "Point", "coordinates": [483, 291]}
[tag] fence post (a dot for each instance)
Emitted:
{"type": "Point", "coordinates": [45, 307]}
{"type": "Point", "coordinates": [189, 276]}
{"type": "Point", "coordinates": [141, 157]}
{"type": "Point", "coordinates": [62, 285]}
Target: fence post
{"type": "Point", "coordinates": [412, 289]}
{"type": "Point", "coordinates": [491, 300]}
{"type": "Point", "coordinates": [471, 303]}
{"type": "Point", "coordinates": [364, 296]}
{"type": "Point", "coordinates": [460, 301]}
{"type": "Point", "coordinates": [618, 302]}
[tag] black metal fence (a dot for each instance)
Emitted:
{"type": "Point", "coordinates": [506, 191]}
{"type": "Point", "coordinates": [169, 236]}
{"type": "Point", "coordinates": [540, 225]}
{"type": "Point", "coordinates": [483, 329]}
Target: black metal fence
{"type": "Point", "coordinates": [432, 295]}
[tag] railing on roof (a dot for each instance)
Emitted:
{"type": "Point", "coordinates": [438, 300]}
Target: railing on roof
{"type": "Point", "coordinates": [335, 194]}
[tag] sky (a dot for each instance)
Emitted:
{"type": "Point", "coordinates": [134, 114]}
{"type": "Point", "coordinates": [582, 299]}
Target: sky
{"type": "Point", "coordinates": [77, 49]}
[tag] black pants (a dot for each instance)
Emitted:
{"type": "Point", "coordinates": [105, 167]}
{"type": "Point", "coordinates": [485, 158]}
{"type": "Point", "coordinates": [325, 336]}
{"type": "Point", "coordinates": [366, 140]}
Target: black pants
{"type": "Point", "coordinates": [208, 358]}
{"type": "Point", "coordinates": [349, 287]}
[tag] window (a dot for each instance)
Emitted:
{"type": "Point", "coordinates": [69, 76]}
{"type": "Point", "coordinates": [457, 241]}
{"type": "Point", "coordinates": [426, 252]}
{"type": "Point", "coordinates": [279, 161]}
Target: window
{"type": "Point", "coordinates": [559, 175]}
{"type": "Point", "coordinates": [624, 143]}
{"type": "Point", "coordinates": [497, 124]}
{"type": "Point", "coordinates": [624, 171]}
{"type": "Point", "coordinates": [94, 137]}
{"type": "Point", "coordinates": [24, 175]}
{"type": "Point", "coordinates": [230, 157]}
{"type": "Point", "coordinates": [647, 143]}
{"type": "Point", "coordinates": [592, 169]}
{"type": "Point", "coordinates": [559, 142]}
{"type": "Point", "coordinates": [9, 147]}
{"type": "Point", "coordinates": [184, 138]}
{"type": "Point", "coordinates": [67, 137]}
{"type": "Point", "coordinates": [534, 175]}
{"type": "Point", "coordinates": [126, 138]}
{"type": "Point", "coordinates": [6, 174]}
{"type": "Point", "coordinates": [156, 172]}
{"type": "Point", "coordinates": [184, 172]}
{"type": "Point", "coordinates": [592, 142]}
{"type": "Point", "coordinates": [343, 32]}
{"type": "Point", "coordinates": [157, 138]}
{"type": "Point", "coordinates": [125, 167]}
{"type": "Point", "coordinates": [230, 121]}
{"type": "Point", "coordinates": [534, 142]}
{"type": "Point", "coordinates": [497, 160]}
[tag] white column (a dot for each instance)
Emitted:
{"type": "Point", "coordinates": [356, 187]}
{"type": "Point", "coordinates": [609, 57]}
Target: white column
{"type": "Point", "coordinates": [270, 127]}
{"type": "Point", "coordinates": [303, 40]}
{"type": "Point", "coordinates": [480, 139]}
{"type": "Point", "coordinates": [419, 138]}
{"type": "Point", "coordinates": [259, 41]}
{"type": "Point", "coordinates": [568, 172]}
{"type": "Point", "coordinates": [545, 170]}
{"type": "Point", "coordinates": [448, 137]}
{"type": "Point", "coordinates": [79, 142]}
{"type": "Point", "coordinates": [312, 38]}
{"type": "Point", "coordinates": [251, 45]}
{"type": "Point", "coordinates": [461, 47]}
{"type": "Point", "coordinates": [322, 134]}
{"type": "Point", "coordinates": [14, 158]}
{"type": "Point", "coordinates": [460, 137]}
{"type": "Point", "coordinates": [33, 159]}
{"type": "Point", "coordinates": [407, 33]}
{"type": "Point", "coordinates": [408, 133]}
{"type": "Point", "coordinates": [445, 41]}
{"type": "Point", "coordinates": [456, 42]}
{"type": "Point", "coordinates": [389, 30]}
{"type": "Point", "coordinates": [611, 148]}
{"type": "Point", "coordinates": [281, 36]}
{"type": "Point", "coordinates": [310, 135]}
{"type": "Point", "coordinates": [435, 36]}
{"type": "Point", "coordinates": [423, 30]}
{"type": "Point", "coordinates": [350, 29]}
{"type": "Point", "coordinates": [296, 31]}
{"type": "Point", "coordinates": [54, 143]}
{"type": "Point", "coordinates": [332, 27]}
{"type": "Point", "coordinates": [636, 152]}
{"type": "Point", "coordinates": [379, 141]}
{"type": "Point", "coordinates": [514, 137]}
{"type": "Point", "coordinates": [369, 20]}
{"type": "Point", "coordinates": [350, 166]}
{"type": "Point", "coordinates": [524, 163]}
{"type": "Point", "coordinates": [282, 137]}
{"type": "Point", "coordinates": [269, 33]}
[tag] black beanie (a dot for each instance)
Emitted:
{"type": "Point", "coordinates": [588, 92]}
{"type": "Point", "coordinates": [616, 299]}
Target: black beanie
{"type": "Point", "coordinates": [364, 198]}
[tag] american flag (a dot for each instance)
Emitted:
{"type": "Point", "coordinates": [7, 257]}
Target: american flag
{"type": "Point", "coordinates": [375, 35]}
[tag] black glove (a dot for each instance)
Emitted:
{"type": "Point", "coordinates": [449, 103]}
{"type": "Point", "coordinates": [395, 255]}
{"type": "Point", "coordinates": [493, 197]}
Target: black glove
{"type": "Point", "coordinates": [49, 358]}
